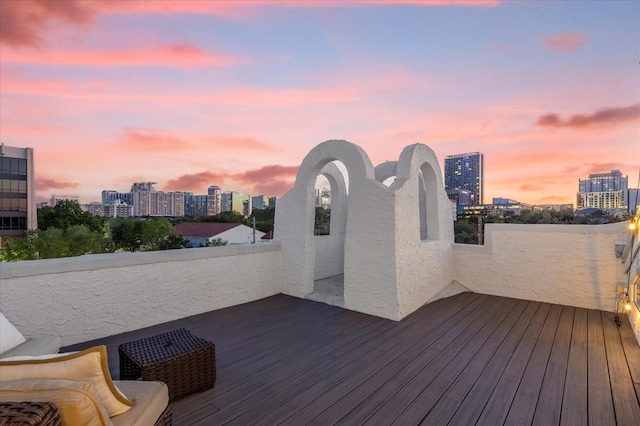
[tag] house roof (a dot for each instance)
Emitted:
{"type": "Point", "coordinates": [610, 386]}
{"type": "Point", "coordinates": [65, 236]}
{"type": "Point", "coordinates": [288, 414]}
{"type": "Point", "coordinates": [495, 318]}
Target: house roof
{"type": "Point", "coordinates": [203, 229]}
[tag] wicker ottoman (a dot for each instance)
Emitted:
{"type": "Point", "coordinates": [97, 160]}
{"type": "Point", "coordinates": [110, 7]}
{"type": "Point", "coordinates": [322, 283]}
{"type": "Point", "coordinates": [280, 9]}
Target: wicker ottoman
{"type": "Point", "coordinates": [29, 414]}
{"type": "Point", "coordinates": [184, 362]}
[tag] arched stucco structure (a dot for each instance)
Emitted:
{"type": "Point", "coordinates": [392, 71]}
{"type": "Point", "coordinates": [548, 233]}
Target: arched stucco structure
{"type": "Point", "coordinates": [389, 270]}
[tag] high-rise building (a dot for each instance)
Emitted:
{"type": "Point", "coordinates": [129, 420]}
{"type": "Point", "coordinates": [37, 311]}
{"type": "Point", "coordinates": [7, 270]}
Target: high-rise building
{"type": "Point", "coordinates": [465, 172]}
{"type": "Point", "coordinates": [17, 192]}
{"type": "Point", "coordinates": [95, 208]}
{"type": "Point", "coordinates": [149, 202]}
{"type": "Point", "coordinates": [605, 191]}
{"type": "Point", "coordinates": [118, 209]}
{"type": "Point", "coordinates": [56, 198]}
{"type": "Point", "coordinates": [261, 202]}
{"type": "Point", "coordinates": [195, 205]}
{"type": "Point", "coordinates": [214, 200]}
{"type": "Point", "coordinates": [234, 201]}
{"type": "Point", "coordinates": [110, 196]}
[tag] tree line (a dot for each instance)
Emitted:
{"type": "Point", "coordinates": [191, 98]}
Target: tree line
{"type": "Point", "coordinates": [65, 230]}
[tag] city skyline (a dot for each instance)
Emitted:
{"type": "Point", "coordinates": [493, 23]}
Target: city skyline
{"type": "Point", "coordinates": [192, 94]}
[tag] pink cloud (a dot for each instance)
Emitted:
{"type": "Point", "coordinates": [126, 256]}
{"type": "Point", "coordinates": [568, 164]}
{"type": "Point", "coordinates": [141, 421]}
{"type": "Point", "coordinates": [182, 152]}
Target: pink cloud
{"type": "Point", "coordinates": [237, 142]}
{"type": "Point", "coordinates": [270, 180]}
{"type": "Point", "coordinates": [183, 55]}
{"type": "Point", "coordinates": [23, 21]}
{"type": "Point", "coordinates": [603, 117]}
{"type": "Point", "coordinates": [528, 187]}
{"type": "Point", "coordinates": [196, 181]}
{"type": "Point", "coordinates": [44, 183]}
{"type": "Point", "coordinates": [150, 141]}
{"type": "Point", "coordinates": [565, 42]}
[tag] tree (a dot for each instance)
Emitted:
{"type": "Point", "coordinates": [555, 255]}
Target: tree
{"type": "Point", "coordinates": [173, 242]}
{"type": "Point", "coordinates": [227, 217]}
{"type": "Point", "coordinates": [264, 218]}
{"type": "Point", "coordinates": [322, 221]}
{"type": "Point", "coordinates": [127, 233]}
{"type": "Point", "coordinates": [155, 231]}
{"type": "Point", "coordinates": [65, 214]}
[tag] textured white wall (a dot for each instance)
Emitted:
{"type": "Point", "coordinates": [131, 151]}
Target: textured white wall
{"type": "Point", "coordinates": [632, 264]}
{"type": "Point", "coordinates": [572, 265]}
{"type": "Point", "coordinates": [94, 296]}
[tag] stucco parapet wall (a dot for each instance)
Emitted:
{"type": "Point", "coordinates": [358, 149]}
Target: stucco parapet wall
{"type": "Point", "coordinates": [93, 262]}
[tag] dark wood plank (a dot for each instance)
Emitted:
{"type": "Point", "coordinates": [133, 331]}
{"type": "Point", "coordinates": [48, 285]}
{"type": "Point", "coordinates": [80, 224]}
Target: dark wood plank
{"type": "Point", "coordinates": [473, 404]}
{"type": "Point", "coordinates": [462, 321]}
{"type": "Point", "coordinates": [600, 409]}
{"type": "Point", "coordinates": [459, 389]}
{"type": "Point", "coordinates": [497, 408]}
{"type": "Point", "coordinates": [574, 400]}
{"type": "Point", "coordinates": [469, 341]}
{"type": "Point", "coordinates": [524, 403]}
{"type": "Point", "coordinates": [625, 400]}
{"type": "Point", "coordinates": [631, 350]}
{"type": "Point", "coordinates": [549, 404]}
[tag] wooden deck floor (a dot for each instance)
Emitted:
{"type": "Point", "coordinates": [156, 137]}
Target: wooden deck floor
{"type": "Point", "coordinates": [468, 359]}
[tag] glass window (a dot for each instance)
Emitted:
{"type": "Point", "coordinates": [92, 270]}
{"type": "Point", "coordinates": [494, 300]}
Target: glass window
{"type": "Point", "coordinates": [15, 165]}
{"type": "Point", "coordinates": [22, 166]}
{"type": "Point", "coordinates": [22, 186]}
{"type": "Point", "coordinates": [5, 223]}
{"type": "Point", "coordinates": [15, 223]}
{"type": "Point", "coordinates": [5, 164]}
{"type": "Point", "coordinates": [5, 185]}
{"type": "Point", "coordinates": [22, 204]}
{"type": "Point", "coordinates": [14, 186]}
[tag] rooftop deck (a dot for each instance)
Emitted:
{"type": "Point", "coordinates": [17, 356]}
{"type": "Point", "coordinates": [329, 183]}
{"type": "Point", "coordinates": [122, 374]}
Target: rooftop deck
{"type": "Point", "coordinates": [466, 359]}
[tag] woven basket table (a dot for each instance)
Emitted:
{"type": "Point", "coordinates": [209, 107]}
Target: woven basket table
{"type": "Point", "coordinates": [184, 362]}
{"type": "Point", "coordinates": [29, 414]}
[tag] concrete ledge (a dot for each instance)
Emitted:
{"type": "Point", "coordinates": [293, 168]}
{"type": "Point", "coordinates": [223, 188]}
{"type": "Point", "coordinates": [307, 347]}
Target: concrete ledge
{"type": "Point", "coordinates": [92, 262]}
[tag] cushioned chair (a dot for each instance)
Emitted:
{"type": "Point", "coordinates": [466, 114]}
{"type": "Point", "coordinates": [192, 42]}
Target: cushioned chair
{"type": "Point", "coordinates": [79, 385]}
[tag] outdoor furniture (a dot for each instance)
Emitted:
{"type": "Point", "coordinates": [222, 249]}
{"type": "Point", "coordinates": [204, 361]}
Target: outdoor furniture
{"type": "Point", "coordinates": [29, 413]}
{"type": "Point", "coordinates": [184, 362]}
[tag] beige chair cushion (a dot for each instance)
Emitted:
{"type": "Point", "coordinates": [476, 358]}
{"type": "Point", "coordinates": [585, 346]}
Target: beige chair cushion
{"type": "Point", "coordinates": [150, 399]}
{"type": "Point", "coordinates": [35, 346]}
{"type": "Point", "coordinates": [89, 365]}
{"type": "Point", "coordinates": [76, 401]}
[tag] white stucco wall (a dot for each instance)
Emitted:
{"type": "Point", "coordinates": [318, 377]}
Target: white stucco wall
{"type": "Point", "coordinates": [631, 263]}
{"type": "Point", "coordinates": [571, 265]}
{"type": "Point", "coordinates": [93, 296]}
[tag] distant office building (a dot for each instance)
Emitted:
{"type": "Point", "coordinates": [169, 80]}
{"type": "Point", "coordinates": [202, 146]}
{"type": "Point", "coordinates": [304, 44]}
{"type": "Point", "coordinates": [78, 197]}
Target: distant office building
{"type": "Point", "coordinates": [466, 172]}
{"type": "Point", "coordinates": [605, 191]}
{"type": "Point", "coordinates": [214, 200]}
{"type": "Point", "coordinates": [633, 200]}
{"type": "Point", "coordinates": [503, 201]}
{"type": "Point", "coordinates": [56, 198]}
{"type": "Point", "coordinates": [141, 197]}
{"type": "Point", "coordinates": [500, 210]}
{"type": "Point", "coordinates": [459, 196]}
{"type": "Point", "coordinates": [195, 205]}
{"type": "Point", "coordinates": [553, 207]}
{"type": "Point", "coordinates": [110, 196]}
{"type": "Point", "coordinates": [323, 198]}
{"type": "Point", "coordinates": [94, 208]}
{"type": "Point", "coordinates": [118, 209]}
{"type": "Point", "coordinates": [234, 201]}
{"type": "Point", "coordinates": [262, 202]}
{"type": "Point", "coordinates": [17, 192]}
{"type": "Point", "coordinates": [147, 201]}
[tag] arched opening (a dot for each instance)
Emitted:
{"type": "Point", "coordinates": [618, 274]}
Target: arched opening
{"type": "Point", "coordinates": [422, 202]}
{"type": "Point", "coordinates": [329, 233]}
{"type": "Point", "coordinates": [428, 203]}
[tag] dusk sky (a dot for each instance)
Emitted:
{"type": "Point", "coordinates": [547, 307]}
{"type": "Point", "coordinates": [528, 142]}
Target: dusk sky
{"type": "Point", "coordinates": [190, 94]}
